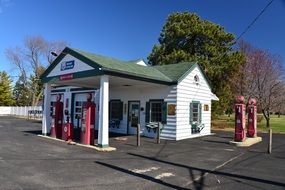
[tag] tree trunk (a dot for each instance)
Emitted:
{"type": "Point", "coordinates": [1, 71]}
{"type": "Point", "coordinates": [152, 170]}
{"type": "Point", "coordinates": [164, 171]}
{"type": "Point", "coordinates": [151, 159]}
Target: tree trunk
{"type": "Point", "coordinates": [33, 99]}
{"type": "Point", "coordinates": [267, 122]}
{"type": "Point", "coordinates": [266, 114]}
{"type": "Point", "coordinates": [38, 98]}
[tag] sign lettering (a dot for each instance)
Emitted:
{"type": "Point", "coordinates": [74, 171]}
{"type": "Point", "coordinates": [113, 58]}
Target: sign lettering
{"type": "Point", "coordinates": [66, 77]}
{"type": "Point", "coordinates": [67, 65]}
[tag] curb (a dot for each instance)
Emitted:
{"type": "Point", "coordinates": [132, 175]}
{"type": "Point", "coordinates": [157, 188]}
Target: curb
{"type": "Point", "coordinates": [106, 149]}
{"type": "Point", "coordinates": [247, 142]}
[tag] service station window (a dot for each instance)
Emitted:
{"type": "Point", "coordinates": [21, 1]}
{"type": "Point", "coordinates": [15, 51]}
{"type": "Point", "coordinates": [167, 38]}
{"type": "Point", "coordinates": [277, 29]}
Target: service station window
{"type": "Point", "coordinates": [195, 113]}
{"type": "Point", "coordinates": [116, 109]}
{"type": "Point", "coordinates": [155, 111]}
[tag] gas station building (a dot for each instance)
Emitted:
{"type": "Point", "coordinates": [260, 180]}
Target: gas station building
{"type": "Point", "coordinates": [127, 93]}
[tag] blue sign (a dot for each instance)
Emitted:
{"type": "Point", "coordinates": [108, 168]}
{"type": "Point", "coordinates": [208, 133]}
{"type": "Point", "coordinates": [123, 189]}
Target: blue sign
{"type": "Point", "coordinates": [67, 65]}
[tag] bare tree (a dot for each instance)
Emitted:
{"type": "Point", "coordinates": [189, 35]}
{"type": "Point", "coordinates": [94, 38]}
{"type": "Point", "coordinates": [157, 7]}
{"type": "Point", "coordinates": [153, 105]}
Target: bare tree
{"type": "Point", "coordinates": [32, 59]}
{"type": "Point", "coordinates": [280, 101]}
{"type": "Point", "coordinates": [34, 48]}
{"type": "Point", "coordinates": [15, 56]}
{"type": "Point", "coordinates": [265, 79]}
{"type": "Point", "coordinates": [261, 77]}
{"type": "Point", "coordinates": [238, 81]}
{"type": "Point", "coordinates": [56, 47]}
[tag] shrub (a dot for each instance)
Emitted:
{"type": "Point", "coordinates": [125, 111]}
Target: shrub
{"type": "Point", "coordinates": [259, 118]}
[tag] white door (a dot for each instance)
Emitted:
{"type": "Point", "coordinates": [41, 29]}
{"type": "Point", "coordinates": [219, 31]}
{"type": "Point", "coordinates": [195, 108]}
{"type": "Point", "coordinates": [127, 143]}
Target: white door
{"type": "Point", "coordinates": [133, 116]}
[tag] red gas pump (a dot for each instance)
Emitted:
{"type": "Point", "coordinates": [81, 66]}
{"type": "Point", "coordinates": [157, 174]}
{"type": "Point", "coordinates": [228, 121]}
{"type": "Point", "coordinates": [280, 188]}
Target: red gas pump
{"type": "Point", "coordinates": [252, 114]}
{"type": "Point", "coordinates": [67, 129]}
{"type": "Point", "coordinates": [239, 119]}
{"type": "Point", "coordinates": [57, 116]}
{"type": "Point", "coordinates": [88, 120]}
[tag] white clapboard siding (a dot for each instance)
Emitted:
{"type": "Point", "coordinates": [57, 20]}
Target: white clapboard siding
{"type": "Point", "coordinates": [187, 91]}
{"type": "Point", "coordinates": [181, 95]}
{"type": "Point", "coordinates": [144, 94]}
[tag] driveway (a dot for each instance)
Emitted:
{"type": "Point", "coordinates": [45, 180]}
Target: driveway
{"type": "Point", "coordinates": [28, 161]}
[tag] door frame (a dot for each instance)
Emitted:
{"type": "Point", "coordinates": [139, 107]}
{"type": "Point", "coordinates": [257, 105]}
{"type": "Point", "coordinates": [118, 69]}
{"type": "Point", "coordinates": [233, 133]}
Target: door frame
{"type": "Point", "coordinates": [73, 94]}
{"type": "Point", "coordinates": [129, 103]}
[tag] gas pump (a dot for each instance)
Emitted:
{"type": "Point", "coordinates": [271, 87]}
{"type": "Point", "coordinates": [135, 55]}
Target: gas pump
{"type": "Point", "coordinates": [67, 129]}
{"type": "Point", "coordinates": [88, 120]}
{"type": "Point", "coordinates": [57, 116]}
{"type": "Point", "coordinates": [252, 114]}
{"type": "Point", "coordinates": [240, 119]}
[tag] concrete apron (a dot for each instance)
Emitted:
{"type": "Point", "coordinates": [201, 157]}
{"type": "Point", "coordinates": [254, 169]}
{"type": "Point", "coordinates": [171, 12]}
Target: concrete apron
{"type": "Point", "coordinates": [104, 149]}
{"type": "Point", "coordinates": [247, 142]}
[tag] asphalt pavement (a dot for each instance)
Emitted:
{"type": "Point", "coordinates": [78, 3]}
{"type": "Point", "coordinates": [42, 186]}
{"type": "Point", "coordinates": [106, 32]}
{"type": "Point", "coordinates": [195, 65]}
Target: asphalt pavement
{"type": "Point", "coordinates": [28, 161]}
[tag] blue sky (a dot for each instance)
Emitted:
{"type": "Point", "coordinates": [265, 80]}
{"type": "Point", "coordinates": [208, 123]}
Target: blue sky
{"type": "Point", "coordinates": [128, 29]}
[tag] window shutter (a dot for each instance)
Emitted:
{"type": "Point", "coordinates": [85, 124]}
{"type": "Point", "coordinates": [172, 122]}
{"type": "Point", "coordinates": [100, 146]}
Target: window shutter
{"type": "Point", "coordinates": [191, 113]}
{"type": "Point", "coordinates": [200, 113]}
{"type": "Point", "coordinates": [164, 112]}
{"type": "Point", "coordinates": [147, 112]}
{"type": "Point", "coordinates": [121, 110]}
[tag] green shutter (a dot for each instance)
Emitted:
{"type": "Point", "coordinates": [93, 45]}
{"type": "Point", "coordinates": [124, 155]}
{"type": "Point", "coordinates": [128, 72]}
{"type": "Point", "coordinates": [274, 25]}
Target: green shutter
{"type": "Point", "coordinates": [200, 113]}
{"type": "Point", "coordinates": [164, 112]}
{"type": "Point", "coordinates": [191, 113]}
{"type": "Point", "coordinates": [121, 110]}
{"type": "Point", "coordinates": [147, 112]}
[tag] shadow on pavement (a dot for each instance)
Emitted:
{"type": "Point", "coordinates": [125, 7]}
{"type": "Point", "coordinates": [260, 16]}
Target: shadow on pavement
{"type": "Point", "coordinates": [212, 171]}
{"type": "Point", "coordinates": [220, 142]}
{"type": "Point", "coordinates": [146, 177]}
{"type": "Point", "coordinates": [34, 121]}
{"type": "Point", "coordinates": [33, 132]}
{"type": "Point", "coordinates": [198, 182]}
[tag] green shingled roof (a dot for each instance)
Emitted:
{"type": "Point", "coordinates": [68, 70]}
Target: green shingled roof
{"type": "Point", "coordinates": [167, 74]}
{"type": "Point", "coordinates": [175, 71]}
{"type": "Point", "coordinates": [126, 67]}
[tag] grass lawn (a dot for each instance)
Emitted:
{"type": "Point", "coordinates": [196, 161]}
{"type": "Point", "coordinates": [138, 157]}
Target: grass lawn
{"type": "Point", "coordinates": [227, 123]}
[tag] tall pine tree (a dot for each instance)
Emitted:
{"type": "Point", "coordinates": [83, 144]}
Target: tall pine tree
{"type": "Point", "coordinates": [6, 96]}
{"type": "Point", "coordinates": [187, 37]}
{"type": "Point", "coordinates": [21, 93]}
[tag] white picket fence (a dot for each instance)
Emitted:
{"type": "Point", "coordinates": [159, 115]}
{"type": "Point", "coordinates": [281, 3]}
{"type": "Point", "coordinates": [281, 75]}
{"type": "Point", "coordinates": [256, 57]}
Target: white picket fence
{"type": "Point", "coordinates": [25, 111]}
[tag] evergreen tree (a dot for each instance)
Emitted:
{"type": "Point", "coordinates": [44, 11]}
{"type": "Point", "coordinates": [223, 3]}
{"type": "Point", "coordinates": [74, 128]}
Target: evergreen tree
{"type": "Point", "coordinates": [6, 97]}
{"type": "Point", "coordinates": [21, 93]}
{"type": "Point", "coordinates": [187, 37]}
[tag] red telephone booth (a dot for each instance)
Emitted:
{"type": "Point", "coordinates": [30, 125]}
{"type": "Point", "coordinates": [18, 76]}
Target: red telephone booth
{"type": "Point", "coordinates": [57, 117]}
{"type": "Point", "coordinates": [240, 132]}
{"type": "Point", "coordinates": [88, 121]}
{"type": "Point", "coordinates": [252, 118]}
